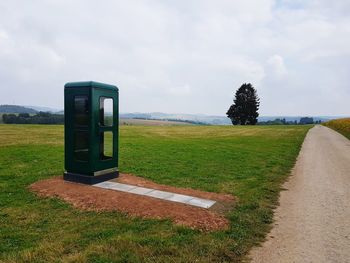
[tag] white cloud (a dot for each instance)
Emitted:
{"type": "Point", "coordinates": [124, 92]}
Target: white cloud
{"type": "Point", "coordinates": [180, 56]}
{"type": "Point", "coordinates": [180, 91]}
{"type": "Point", "coordinates": [276, 66]}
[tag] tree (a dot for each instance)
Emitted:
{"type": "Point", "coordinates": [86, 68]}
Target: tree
{"type": "Point", "coordinates": [244, 110]}
{"type": "Point", "coordinates": [306, 120]}
{"type": "Point", "coordinates": [24, 115]}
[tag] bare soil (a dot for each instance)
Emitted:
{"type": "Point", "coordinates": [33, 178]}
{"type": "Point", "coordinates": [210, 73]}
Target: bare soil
{"type": "Point", "coordinates": [87, 197]}
{"type": "Point", "coordinates": [312, 223]}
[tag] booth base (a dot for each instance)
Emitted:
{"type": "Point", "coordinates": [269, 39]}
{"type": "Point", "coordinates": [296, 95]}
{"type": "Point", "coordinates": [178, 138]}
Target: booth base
{"type": "Point", "coordinates": [86, 179]}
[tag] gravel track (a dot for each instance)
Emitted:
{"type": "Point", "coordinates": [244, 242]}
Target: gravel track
{"type": "Point", "coordinates": [312, 223]}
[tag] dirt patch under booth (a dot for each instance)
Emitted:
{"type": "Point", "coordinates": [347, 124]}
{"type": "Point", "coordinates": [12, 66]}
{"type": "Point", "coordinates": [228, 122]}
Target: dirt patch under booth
{"type": "Point", "coordinates": [88, 197]}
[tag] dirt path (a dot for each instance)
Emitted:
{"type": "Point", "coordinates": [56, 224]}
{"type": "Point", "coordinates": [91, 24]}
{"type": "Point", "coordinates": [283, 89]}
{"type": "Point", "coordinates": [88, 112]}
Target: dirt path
{"type": "Point", "coordinates": [312, 223]}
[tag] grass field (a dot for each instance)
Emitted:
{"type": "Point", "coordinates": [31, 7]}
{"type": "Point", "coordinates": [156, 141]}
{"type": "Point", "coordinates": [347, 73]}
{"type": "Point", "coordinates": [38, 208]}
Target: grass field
{"type": "Point", "coordinates": [151, 122]}
{"type": "Point", "coordinates": [248, 162]}
{"type": "Point", "coordinates": [340, 125]}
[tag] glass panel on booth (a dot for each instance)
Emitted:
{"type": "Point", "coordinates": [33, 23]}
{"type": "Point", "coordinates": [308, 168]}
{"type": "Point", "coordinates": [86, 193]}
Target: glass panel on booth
{"type": "Point", "coordinates": [106, 145]}
{"type": "Point", "coordinates": [81, 146]}
{"type": "Point", "coordinates": [106, 111]}
{"type": "Point", "coordinates": [81, 110]}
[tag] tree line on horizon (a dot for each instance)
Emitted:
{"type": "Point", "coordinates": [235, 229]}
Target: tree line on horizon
{"type": "Point", "coordinates": [38, 118]}
{"type": "Point", "coordinates": [49, 118]}
{"type": "Point", "coordinates": [243, 111]}
{"type": "Point", "coordinates": [278, 121]}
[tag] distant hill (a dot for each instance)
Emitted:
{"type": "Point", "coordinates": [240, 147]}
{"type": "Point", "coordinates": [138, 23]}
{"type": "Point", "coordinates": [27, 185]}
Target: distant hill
{"type": "Point", "coordinates": [198, 118]}
{"type": "Point", "coordinates": [135, 115]}
{"type": "Point", "coordinates": [45, 109]}
{"type": "Point", "coordinates": [213, 120]}
{"type": "Point", "coordinates": [16, 109]}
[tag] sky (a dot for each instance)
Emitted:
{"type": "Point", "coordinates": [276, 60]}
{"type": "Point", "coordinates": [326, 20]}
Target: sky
{"type": "Point", "coordinates": [180, 56]}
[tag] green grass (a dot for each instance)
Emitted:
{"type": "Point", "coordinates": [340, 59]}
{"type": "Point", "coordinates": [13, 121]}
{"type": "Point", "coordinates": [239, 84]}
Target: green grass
{"type": "Point", "coordinates": [340, 125]}
{"type": "Point", "coordinates": [248, 162]}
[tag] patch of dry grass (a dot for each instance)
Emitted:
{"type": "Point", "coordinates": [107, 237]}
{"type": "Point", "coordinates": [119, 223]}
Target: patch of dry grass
{"type": "Point", "coordinates": [213, 132]}
{"type": "Point", "coordinates": [340, 125]}
{"type": "Point", "coordinates": [19, 134]}
{"type": "Point", "coordinates": [142, 122]}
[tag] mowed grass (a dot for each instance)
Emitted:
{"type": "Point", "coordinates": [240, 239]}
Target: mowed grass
{"type": "Point", "coordinates": [143, 122]}
{"type": "Point", "coordinates": [248, 162]}
{"type": "Point", "coordinates": [340, 125]}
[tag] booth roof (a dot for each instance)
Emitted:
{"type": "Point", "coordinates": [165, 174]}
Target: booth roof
{"type": "Point", "coordinates": [92, 84]}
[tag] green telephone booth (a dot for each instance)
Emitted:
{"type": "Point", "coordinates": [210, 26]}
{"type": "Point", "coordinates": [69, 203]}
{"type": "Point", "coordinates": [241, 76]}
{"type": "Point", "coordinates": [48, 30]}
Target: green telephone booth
{"type": "Point", "coordinates": [91, 132]}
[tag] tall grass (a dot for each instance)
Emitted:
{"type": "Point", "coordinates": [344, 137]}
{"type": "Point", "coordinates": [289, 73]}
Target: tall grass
{"type": "Point", "coordinates": [340, 125]}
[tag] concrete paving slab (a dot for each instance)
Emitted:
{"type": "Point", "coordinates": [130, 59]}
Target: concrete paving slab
{"type": "Point", "coordinates": [168, 196]}
{"type": "Point", "coordinates": [104, 184]}
{"type": "Point", "coordinates": [160, 194]}
{"type": "Point", "coordinates": [204, 203]}
{"type": "Point", "coordinates": [180, 198]}
{"type": "Point", "coordinates": [141, 190]}
{"type": "Point", "coordinates": [116, 186]}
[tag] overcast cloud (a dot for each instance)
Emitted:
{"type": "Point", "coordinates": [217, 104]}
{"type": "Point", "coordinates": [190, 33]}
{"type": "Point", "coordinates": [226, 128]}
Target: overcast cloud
{"type": "Point", "coordinates": [180, 56]}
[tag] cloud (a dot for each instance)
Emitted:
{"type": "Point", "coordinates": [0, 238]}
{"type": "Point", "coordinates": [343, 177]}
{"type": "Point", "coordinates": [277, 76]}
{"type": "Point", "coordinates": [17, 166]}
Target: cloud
{"type": "Point", "coordinates": [175, 56]}
{"type": "Point", "coordinates": [180, 91]}
{"type": "Point", "coordinates": [276, 66]}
